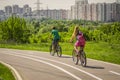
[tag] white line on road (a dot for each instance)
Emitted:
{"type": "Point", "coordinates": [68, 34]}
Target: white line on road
{"type": "Point", "coordinates": [115, 72]}
{"type": "Point", "coordinates": [77, 78]}
{"type": "Point", "coordinates": [63, 64]}
{"type": "Point", "coordinates": [15, 73]}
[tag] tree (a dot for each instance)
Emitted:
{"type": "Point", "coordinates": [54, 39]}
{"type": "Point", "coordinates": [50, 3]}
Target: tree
{"type": "Point", "coordinates": [15, 29]}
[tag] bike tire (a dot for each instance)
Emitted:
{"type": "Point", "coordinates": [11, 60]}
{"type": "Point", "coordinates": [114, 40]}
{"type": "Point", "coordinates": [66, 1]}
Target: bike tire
{"type": "Point", "coordinates": [83, 59]}
{"type": "Point", "coordinates": [75, 57]}
{"type": "Point", "coordinates": [52, 53]}
{"type": "Point", "coordinates": [59, 51]}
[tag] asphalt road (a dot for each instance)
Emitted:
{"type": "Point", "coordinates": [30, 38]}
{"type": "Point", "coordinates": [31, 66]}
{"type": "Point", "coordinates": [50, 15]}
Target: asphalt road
{"type": "Point", "coordinates": [36, 65]}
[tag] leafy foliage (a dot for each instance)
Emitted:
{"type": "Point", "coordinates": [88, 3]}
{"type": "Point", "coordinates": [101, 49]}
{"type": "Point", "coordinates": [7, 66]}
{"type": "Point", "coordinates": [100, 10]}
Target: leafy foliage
{"type": "Point", "coordinates": [18, 30]}
{"type": "Point", "coordinates": [15, 29]}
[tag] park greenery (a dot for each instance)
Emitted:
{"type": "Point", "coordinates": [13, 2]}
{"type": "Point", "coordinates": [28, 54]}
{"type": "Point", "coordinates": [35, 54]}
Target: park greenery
{"type": "Point", "coordinates": [104, 36]}
{"type": "Point", "coordinates": [18, 30]}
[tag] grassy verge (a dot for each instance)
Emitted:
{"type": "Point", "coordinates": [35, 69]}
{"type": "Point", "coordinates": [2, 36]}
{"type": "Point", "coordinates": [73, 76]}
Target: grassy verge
{"type": "Point", "coordinates": [95, 50]}
{"type": "Point", "coordinates": [5, 73]}
{"type": "Point", "coordinates": [103, 51]}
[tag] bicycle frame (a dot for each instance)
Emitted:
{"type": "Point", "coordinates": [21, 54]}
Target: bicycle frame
{"type": "Point", "coordinates": [81, 56]}
{"type": "Point", "coordinates": [56, 48]}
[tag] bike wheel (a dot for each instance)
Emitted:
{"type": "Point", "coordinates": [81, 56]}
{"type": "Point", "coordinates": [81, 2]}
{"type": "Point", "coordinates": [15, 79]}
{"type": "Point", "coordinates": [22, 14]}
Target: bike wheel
{"type": "Point", "coordinates": [83, 59]}
{"type": "Point", "coordinates": [59, 51]}
{"type": "Point", "coordinates": [75, 57]}
{"type": "Point", "coordinates": [51, 51]}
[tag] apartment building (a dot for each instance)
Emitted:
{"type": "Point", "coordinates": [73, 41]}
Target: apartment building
{"type": "Point", "coordinates": [79, 5]}
{"type": "Point", "coordinates": [101, 12]}
{"type": "Point", "coordinates": [72, 12]}
{"type": "Point", "coordinates": [8, 10]}
{"type": "Point", "coordinates": [2, 15]}
{"type": "Point", "coordinates": [27, 9]}
{"type": "Point", "coordinates": [104, 12]}
{"type": "Point", "coordinates": [2, 12]}
{"type": "Point", "coordinates": [15, 9]}
{"type": "Point", "coordinates": [57, 14]}
{"type": "Point", "coordinates": [81, 10]}
{"type": "Point", "coordinates": [89, 12]}
{"type": "Point", "coordinates": [51, 13]}
{"type": "Point", "coordinates": [115, 12]}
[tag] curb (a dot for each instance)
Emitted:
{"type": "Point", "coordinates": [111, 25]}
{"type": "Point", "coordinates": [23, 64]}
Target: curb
{"type": "Point", "coordinates": [14, 71]}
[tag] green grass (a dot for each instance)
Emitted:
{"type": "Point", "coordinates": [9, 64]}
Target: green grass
{"type": "Point", "coordinates": [103, 51]}
{"type": "Point", "coordinates": [95, 50]}
{"type": "Point", "coordinates": [5, 73]}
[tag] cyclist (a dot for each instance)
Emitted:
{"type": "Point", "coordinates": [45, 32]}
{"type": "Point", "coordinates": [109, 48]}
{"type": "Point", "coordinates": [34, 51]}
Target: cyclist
{"type": "Point", "coordinates": [80, 39]}
{"type": "Point", "coordinates": [56, 37]}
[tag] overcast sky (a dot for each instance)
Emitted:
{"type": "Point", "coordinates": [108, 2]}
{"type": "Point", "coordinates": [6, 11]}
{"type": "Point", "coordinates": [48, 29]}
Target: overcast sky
{"type": "Point", "coordinates": [52, 4]}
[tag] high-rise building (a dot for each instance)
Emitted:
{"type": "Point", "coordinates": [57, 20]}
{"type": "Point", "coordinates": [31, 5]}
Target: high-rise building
{"type": "Point", "coordinates": [115, 12]}
{"type": "Point", "coordinates": [27, 9]}
{"type": "Point", "coordinates": [20, 11]}
{"type": "Point", "coordinates": [8, 10]}
{"type": "Point", "coordinates": [1, 12]}
{"type": "Point", "coordinates": [101, 12]}
{"type": "Point", "coordinates": [2, 15]}
{"type": "Point", "coordinates": [78, 8]}
{"type": "Point", "coordinates": [52, 14]}
{"type": "Point", "coordinates": [89, 12]}
{"type": "Point", "coordinates": [69, 14]}
{"type": "Point", "coordinates": [104, 12]}
{"type": "Point", "coordinates": [109, 12]}
{"type": "Point", "coordinates": [73, 12]}
{"type": "Point", "coordinates": [82, 1]}
{"type": "Point", "coordinates": [15, 9]}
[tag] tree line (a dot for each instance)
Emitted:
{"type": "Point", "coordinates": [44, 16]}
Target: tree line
{"type": "Point", "coordinates": [18, 30]}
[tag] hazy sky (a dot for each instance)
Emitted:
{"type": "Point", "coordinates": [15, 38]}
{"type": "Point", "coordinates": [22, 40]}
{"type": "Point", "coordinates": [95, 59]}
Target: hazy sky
{"type": "Point", "coordinates": [52, 4]}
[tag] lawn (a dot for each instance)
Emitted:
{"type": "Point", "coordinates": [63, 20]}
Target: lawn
{"type": "Point", "coordinates": [95, 50]}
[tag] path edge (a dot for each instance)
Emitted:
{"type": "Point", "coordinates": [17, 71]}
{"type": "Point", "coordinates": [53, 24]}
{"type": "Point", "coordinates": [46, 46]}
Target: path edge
{"type": "Point", "coordinates": [13, 70]}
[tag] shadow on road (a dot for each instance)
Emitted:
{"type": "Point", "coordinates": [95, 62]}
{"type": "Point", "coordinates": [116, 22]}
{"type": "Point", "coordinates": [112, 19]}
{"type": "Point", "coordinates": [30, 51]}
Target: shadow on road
{"type": "Point", "coordinates": [95, 67]}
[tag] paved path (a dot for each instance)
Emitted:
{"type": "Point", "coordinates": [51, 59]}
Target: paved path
{"type": "Point", "coordinates": [36, 65]}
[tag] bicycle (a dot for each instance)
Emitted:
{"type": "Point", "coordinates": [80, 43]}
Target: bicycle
{"type": "Point", "coordinates": [80, 56]}
{"type": "Point", "coordinates": [57, 50]}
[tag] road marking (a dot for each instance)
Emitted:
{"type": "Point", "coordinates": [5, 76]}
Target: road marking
{"type": "Point", "coordinates": [77, 78]}
{"type": "Point", "coordinates": [64, 64]}
{"type": "Point", "coordinates": [115, 72]}
{"type": "Point", "coordinates": [15, 73]}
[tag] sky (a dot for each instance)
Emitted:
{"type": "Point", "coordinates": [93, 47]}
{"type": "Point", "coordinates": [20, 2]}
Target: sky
{"type": "Point", "coordinates": [52, 4]}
